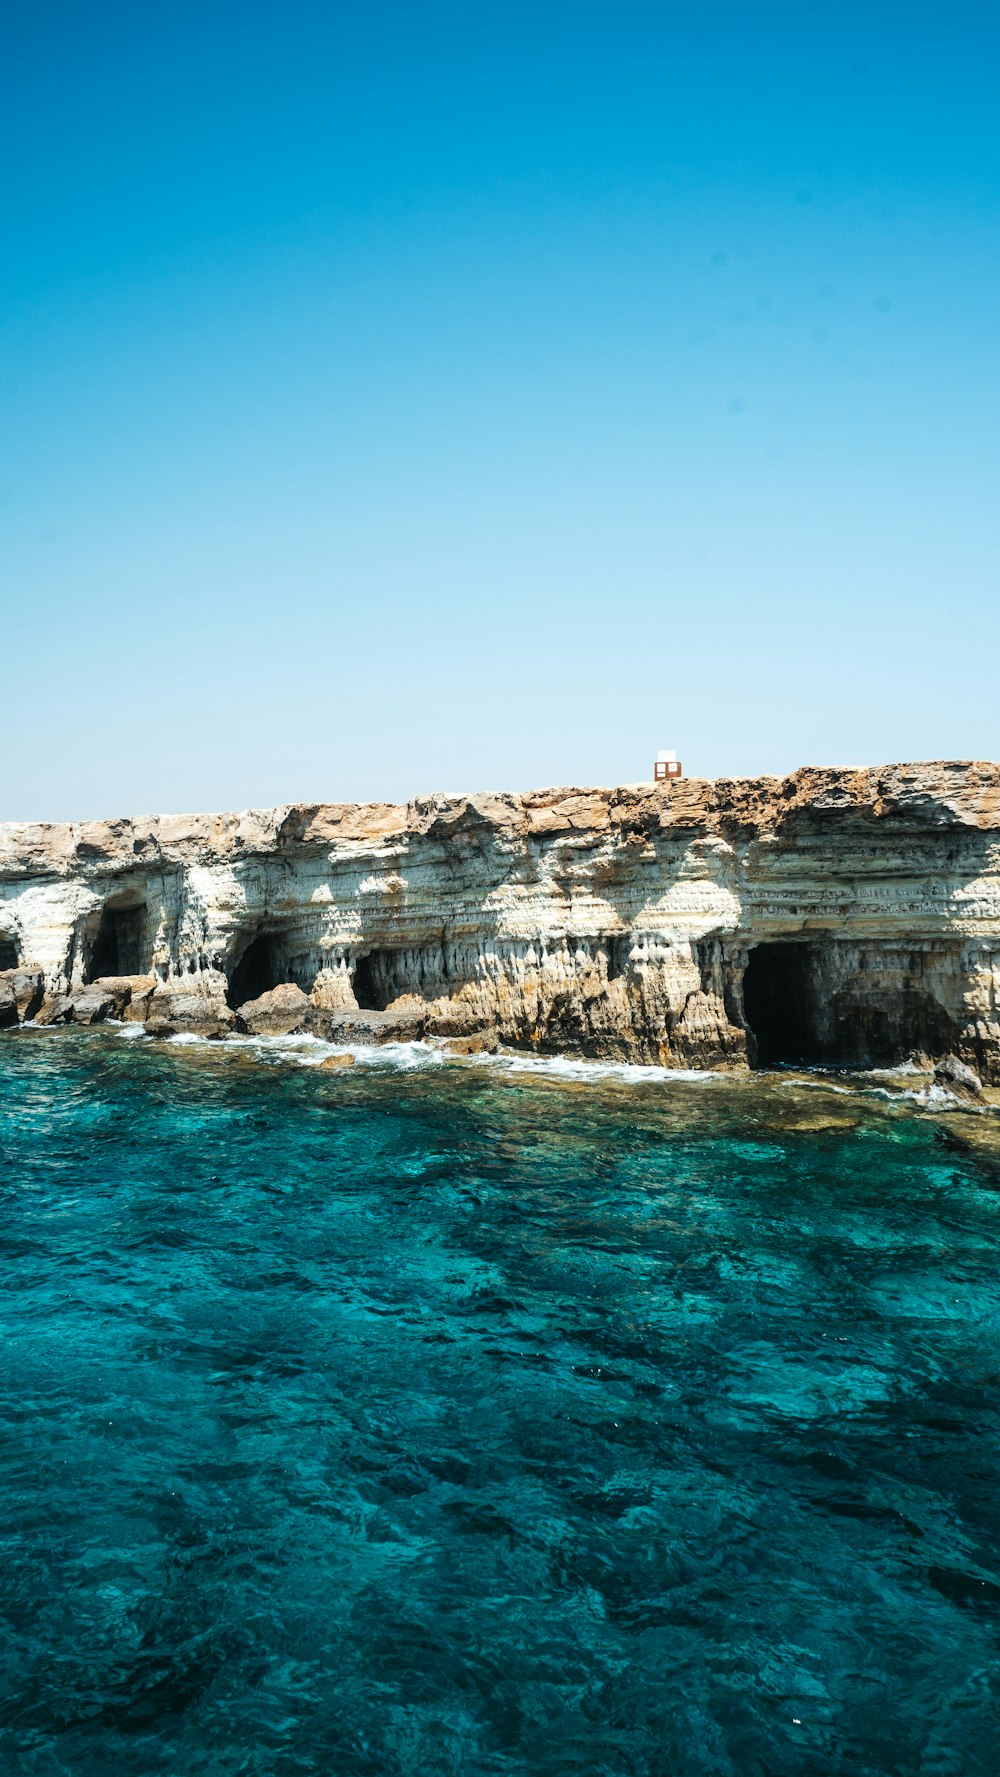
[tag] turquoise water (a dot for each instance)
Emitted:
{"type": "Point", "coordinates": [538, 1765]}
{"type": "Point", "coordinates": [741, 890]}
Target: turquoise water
{"type": "Point", "coordinates": [463, 1420]}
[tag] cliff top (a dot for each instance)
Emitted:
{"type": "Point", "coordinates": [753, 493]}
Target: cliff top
{"type": "Point", "coordinates": [960, 793]}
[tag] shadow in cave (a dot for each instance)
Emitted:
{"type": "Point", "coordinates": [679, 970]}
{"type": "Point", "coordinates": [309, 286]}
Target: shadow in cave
{"type": "Point", "coordinates": [9, 955]}
{"type": "Point", "coordinates": [372, 987]}
{"type": "Point", "coordinates": [779, 1003]}
{"type": "Point", "coordinates": [258, 970]}
{"type": "Point", "coordinates": [121, 946]}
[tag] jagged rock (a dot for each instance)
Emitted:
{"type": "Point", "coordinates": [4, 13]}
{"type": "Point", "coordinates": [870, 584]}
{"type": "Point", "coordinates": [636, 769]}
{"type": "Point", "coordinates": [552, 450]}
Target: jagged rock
{"type": "Point", "coordinates": [331, 1062]}
{"type": "Point", "coordinates": [484, 1042]}
{"type": "Point", "coordinates": [92, 1002]}
{"type": "Point", "coordinates": [92, 1005]}
{"type": "Point", "coordinates": [369, 1027]}
{"type": "Point", "coordinates": [21, 995]}
{"type": "Point", "coordinates": [129, 995]}
{"type": "Point", "coordinates": [833, 915]}
{"type": "Point", "coordinates": [8, 1005]}
{"type": "Point", "coordinates": [135, 1007]}
{"type": "Point", "coordinates": [279, 1013]}
{"type": "Point", "coordinates": [451, 1018]}
{"type": "Point", "coordinates": [56, 1008]}
{"type": "Point", "coordinates": [958, 1079]}
{"type": "Point", "coordinates": [195, 1004]}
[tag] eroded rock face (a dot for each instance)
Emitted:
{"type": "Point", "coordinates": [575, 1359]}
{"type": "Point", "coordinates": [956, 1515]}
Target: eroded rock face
{"type": "Point", "coordinates": [403, 1025]}
{"type": "Point", "coordinates": [276, 1014]}
{"type": "Point", "coordinates": [958, 1079]}
{"type": "Point", "coordinates": [834, 916]}
{"type": "Point", "coordinates": [21, 994]}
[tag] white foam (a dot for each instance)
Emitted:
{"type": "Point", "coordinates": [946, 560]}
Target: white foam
{"type": "Point", "coordinates": [568, 1067]}
{"type": "Point", "coordinates": [312, 1051]}
{"type": "Point", "coordinates": [406, 1056]}
{"type": "Point", "coordinates": [929, 1098]}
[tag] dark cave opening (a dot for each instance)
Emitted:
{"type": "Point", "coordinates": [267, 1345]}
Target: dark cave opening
{"type": "Point", "coordinates": [9, 955]}
{"type": "Point", "coordinates": [121, 945]}
{"type": "Point", "coordinates": [779, 1004]}
{"type": "Point", "coordinates": [372, 985]}
{"type": "Point", "coordinates": [618, 951]}
{"type": "Point", "coordinates": [258, 970]}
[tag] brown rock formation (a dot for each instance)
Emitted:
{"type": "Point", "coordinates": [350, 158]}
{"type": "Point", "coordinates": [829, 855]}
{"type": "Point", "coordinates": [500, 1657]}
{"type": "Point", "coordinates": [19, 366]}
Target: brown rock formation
{"type": "Point", "coordinates": [841, 916]}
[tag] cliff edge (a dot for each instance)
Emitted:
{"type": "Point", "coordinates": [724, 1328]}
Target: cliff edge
{"type": "Point", "coordinates": [830, 916]}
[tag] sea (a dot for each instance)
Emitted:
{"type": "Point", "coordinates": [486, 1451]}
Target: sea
{"type": "Point", "coordinates": [508, 1415]}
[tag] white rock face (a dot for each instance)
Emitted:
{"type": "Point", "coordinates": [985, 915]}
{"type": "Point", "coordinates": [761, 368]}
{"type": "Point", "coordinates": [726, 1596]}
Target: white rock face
{"type": "Point", "coordinates": [842, 915]}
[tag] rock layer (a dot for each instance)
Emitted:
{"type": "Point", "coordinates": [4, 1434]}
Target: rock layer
{"type": "Point", "coordinates": [833, 915]}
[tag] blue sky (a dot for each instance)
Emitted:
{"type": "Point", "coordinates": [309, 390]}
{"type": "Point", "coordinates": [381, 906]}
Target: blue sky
{"type": "Point", "coordinates": [405, 398]}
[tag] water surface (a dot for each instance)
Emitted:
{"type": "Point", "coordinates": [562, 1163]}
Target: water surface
{"type": "Point", "coordinates": [452, 1419]}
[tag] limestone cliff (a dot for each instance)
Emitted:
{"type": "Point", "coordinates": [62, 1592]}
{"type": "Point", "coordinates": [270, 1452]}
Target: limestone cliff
{"type": "Point", "coordinates": [842, 916]}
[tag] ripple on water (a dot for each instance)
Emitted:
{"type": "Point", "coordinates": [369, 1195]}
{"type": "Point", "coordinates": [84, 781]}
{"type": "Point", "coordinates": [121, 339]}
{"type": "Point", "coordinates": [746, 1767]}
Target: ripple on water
{"type": "Point", "coordinates": [513, 1416]}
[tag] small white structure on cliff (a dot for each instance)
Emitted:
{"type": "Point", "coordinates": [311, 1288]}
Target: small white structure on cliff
{"type": "Point", "coordinates": [667, 765]}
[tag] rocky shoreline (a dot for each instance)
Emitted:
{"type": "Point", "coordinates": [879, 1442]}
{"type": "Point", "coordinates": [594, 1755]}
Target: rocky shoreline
{"type": "Point", "coordinates": [840, 917]}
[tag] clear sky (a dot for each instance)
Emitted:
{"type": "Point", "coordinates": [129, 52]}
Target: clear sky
{"type": "Point", "coordinates": [414, 397]}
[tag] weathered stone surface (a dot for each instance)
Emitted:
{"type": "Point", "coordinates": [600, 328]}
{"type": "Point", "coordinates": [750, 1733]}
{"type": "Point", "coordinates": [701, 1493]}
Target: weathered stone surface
{"type": "Point", "coordinates": [331, 1063]}
{"type": "Point", "coordinates": [369, 1027]}
{"type": "Point", "coordinates": [192, 1003]}
{"type": "Point", "coordinates": [275, 1014]}
{"type": "Point", "coordinates": [451, 1017]}
{"type": "Point", "coordinates": [120, 989]}
{"type": "Point", "coordinates": [8, 1003]}
{"type": "Point", "coordinates": [56, 1008]}
{"type": "Point", "coordinates": [135, 1007]}
{"type": "Point", "coordinates": [21, 995]}
{"type": "Point", "coordinates": [92, 1005]}
{"type": "Point", "coordinates": [958, 1079]}
{"type": "Point", "coordinates": [483, 1043]}
{"type": "Point", "coordinates": [627, 923]}
{"type": "Point", "coordinates": [115, 996]}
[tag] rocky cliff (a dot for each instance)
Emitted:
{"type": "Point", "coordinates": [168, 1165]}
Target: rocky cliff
{"type": "Point", "coordinates": [840, 916]}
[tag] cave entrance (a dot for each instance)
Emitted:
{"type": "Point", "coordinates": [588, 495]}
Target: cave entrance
{"type": "Point", "coordinates": [779, 1002]}
{"type": "Point", "coordinates": [9, 955]}
{"type": "Point", "coordinates": [121, 945]}
{"type": "Point", "coordinates": [259, 969]}
{"type": "Point", "coordinates": [373, 987]}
